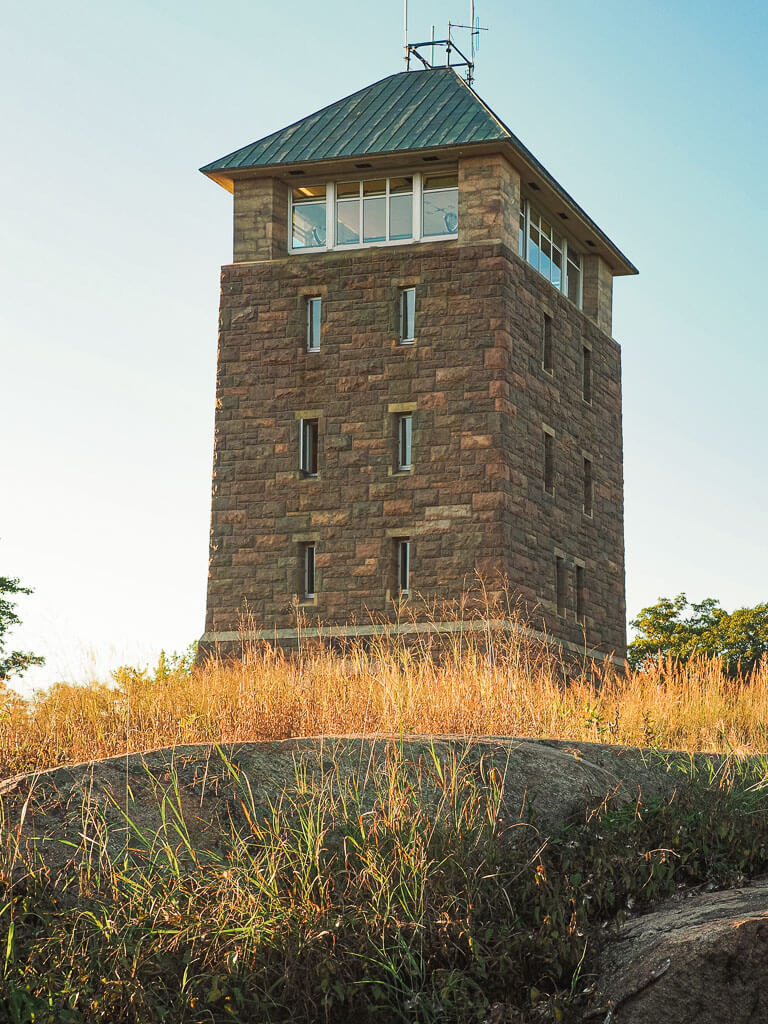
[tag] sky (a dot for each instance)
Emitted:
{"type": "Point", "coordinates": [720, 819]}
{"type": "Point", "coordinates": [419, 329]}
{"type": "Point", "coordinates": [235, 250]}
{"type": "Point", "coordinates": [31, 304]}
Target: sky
{"type": "Point", "coordinates": [651, 115]}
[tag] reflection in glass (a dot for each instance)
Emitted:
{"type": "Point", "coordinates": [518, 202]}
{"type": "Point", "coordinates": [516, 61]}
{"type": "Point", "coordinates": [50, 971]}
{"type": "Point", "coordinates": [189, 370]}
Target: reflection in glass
{"type": "Point", "coordinates": [533, 246]}
{"type": "Point", "coordinates": [377, 187]}
{"type": "Point", "coordinates": [308, 225]}
{"type": "Point", "coordinates": [348, 222]}
{"type": "Point", "coordinates": [440, 212]}
{"type": "Point", "coordinates": [557, 263]}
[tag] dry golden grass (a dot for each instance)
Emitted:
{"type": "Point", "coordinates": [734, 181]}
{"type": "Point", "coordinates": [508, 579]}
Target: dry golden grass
{"type": "Point", "coordinates": [490, 683]}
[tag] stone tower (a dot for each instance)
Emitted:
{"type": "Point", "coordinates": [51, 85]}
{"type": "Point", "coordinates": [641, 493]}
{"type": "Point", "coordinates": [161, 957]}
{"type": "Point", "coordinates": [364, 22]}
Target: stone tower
{"type": "Point", "coordinates": [417, 382]}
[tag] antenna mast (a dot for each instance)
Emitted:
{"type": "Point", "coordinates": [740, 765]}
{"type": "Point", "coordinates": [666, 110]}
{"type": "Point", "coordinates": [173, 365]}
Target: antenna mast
{"type": "Point", "coordinates": [454, 58]}
{"type": "Point", "coordinates": [405, 36]}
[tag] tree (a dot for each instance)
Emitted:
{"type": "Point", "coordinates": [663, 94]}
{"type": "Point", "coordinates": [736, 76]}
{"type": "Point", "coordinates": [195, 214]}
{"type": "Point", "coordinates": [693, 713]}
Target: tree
{"type": "Point", "coordinates": [739, 639]}
{"type": "Point", "coordinates": [15, 662]}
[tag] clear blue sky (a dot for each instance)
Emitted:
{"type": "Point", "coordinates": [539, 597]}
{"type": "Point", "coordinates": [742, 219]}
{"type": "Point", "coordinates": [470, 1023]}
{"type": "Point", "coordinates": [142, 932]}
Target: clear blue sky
{"type": "Point", "coordinates": [652, 115]}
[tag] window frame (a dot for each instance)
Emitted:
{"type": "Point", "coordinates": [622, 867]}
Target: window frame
{"type": "Point", "coordinates": [404, 442]}
{"type": "Point", "coordinates": [561, 587]}
{"type": "Point", "coordinates": [586, 374]}
{"type": "Point", "coordinates": [331, 243]}
{"type": "Point", "coordinates": [589, 487]}
{"type": "Point", "coordinates": [548, 437]}
{"type": "Point", "coordinates": [547, 353]}
{"type": "Point", "coordinates": [309, 445]}
{"type": "Point", "coordinates": [309, 571]}
{"type": "Point", "coordinates": [403, 567]}
{"type": "Point", "coordinates": [407, 339]}
{"type": "Point", "coordinates": [313, 343]}
{"type": "Point", "coordinates": [580, 584]}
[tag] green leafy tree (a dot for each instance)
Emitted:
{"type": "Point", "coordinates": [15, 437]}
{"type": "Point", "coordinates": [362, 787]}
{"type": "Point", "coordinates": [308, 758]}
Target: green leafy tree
{"type": "Point", "coordinates": [12, 663]}
{"type": "Point", "coordinates": [739, 638]}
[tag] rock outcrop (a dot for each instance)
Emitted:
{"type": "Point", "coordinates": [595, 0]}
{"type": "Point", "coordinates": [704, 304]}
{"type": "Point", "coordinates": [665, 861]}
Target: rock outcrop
{"type": "Point", "coordinates": [701, 959]}
{"type": "Point", "coordinates": [64, 812]}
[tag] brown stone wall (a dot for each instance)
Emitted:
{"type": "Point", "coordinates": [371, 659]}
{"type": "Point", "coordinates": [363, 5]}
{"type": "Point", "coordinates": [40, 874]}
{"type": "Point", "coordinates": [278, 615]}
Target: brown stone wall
{"type": "Point", "coordinates": [489, 201]}
{"type": "Point", "coordinates": [539, 525]}
{"type": "Point", "coordinates": [597, 292]}
{"type": "Point", "coordinates": [260, 219]}
{"type": "Point", "coordinates": [474, 502]}
{"type": "Point", "coordinates": [358, 505]}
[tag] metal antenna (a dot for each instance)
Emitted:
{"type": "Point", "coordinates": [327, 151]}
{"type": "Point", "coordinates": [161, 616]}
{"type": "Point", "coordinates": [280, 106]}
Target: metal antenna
{"type": "Point", "coordinates": [405, 36]}
{"type": "Point", "coordinates": [454, 58]}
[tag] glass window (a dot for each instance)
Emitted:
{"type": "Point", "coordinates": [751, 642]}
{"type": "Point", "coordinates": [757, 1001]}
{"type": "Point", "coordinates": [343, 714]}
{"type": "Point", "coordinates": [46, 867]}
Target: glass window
{"type": "Point", "coordinates": [404, 441]}
{"type": "Point", "coordinates": [407, 315]}
{"type": "Point", "coordinates": [586, 374]}
{"type": "Point", "coordinates": [547, 362]}
{"type": "Point", "coordinates": [403, 567]}
{"type": "Point", "coordinates": [549, 463]}
{"type": "Point", "coordinates": [588, 490]}
{"type": "Point", "coordinates": [541, 246]}
{"type": "Point", "coordinates": [561, 586]}
{"type": "Point", "coordinates": [308, 228]}
{"type": "Point", "coordinates": [374, 210]}
{"type": "Point", "coordinates": [573, 277]}
{"type": "Point", "coordinates": [440, 205]}
{"type": "Point", "coordinates": [308, 435]}
{"type": "Point", "coordinates": [581, 595]}
{"type": "Point", "coordinates": [314, 322]}
{"type": "Point", "coordinates": [309, 571]}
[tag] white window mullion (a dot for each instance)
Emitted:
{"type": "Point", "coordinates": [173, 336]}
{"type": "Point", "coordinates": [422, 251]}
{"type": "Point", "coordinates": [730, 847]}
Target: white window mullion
{"type": "Point", "coordinates": [564, 277]}
{"type": "Point", "coordinates": [330, 215]}
{"type": "Point", "coordinates": [417, 206]}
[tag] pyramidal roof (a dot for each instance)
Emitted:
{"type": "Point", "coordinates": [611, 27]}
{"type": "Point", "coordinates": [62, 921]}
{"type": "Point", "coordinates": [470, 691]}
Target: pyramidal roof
{"type": "Point", "coordinates": [407, 111]}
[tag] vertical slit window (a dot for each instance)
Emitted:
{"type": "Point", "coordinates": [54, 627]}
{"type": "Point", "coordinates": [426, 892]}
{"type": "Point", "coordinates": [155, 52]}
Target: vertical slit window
{"type": "Point", "coordinates": [308, 438]}
{"type": "Point", "coordinates": [586, 374]}
{"type": "Point", "coordinates": [308, 571]}
{"type": "Point", "coordinates": [549, 462]}
{"type": "Point", "coordinates": [404, 442]}
{"type": "Point", "coordinates": [581, 596]}
{"type": "Point", "coordinates": [403, 567]}
{"type": "Point", "coordinates": [314, 324]}
{"type": "Point", "coordinates": [546, 345]}
{"type": "Point", "coordinates": [308, 217]}
{"type": "Point", "coordinates": [561, 586]}
{"type": "Point", "coordinates": [588, 487]}
{"type": "Point", "coordinates": [407, 316]}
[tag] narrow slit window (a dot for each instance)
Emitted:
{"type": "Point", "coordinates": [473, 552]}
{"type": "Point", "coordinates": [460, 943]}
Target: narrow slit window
{"type": "Point", "coordinates": [308, 437]}
{"type": "Point", "coordinates": [581, 595]}
{"type": "Point", "coordinates": [586, 374]}
{"type": "Point", "coordinates": [588, 487]}
{"type": "Point", "coordinates": [308, 571]}
{"type": "Point", "coordinates": [405, 442]}
{"type": "Point", "coordinates": [546, 345]}
{"type": "Point", "coordinates": [407, 316]}
{"type": "Point", "coordinates": [549, 462]}
{"type": "Point", "coordinates": [314, 324]}
{"type": "Point", "coordinates": [561, 586]}
{"type": "Point", "coordinates": [403, 567]}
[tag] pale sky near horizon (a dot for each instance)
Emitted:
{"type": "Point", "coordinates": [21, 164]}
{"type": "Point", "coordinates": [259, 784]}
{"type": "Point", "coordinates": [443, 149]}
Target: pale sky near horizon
{"type": "Point", "coordinates": [652, 116]}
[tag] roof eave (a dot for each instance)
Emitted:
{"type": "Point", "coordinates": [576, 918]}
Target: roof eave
{"type": "Point", "coordinates": [579, 224]}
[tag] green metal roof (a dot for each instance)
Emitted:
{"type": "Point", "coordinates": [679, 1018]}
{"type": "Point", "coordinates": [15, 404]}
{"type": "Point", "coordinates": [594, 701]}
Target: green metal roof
{"type": "Point", "coordinates": [407, 111]}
